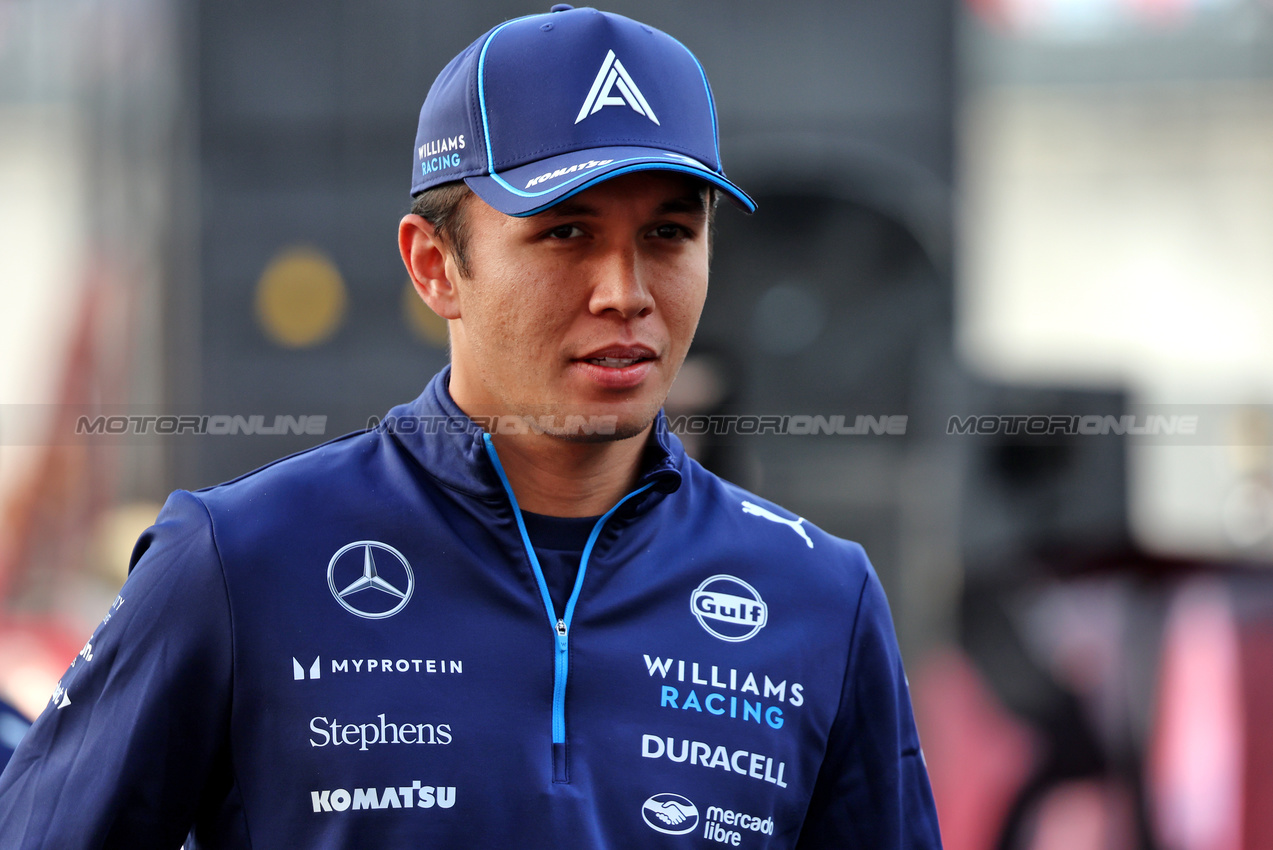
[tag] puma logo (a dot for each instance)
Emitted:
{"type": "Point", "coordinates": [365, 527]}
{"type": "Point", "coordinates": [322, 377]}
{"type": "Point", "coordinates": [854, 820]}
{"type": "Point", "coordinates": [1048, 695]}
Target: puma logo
{"type": "Point", "coordinates": [797, 525]}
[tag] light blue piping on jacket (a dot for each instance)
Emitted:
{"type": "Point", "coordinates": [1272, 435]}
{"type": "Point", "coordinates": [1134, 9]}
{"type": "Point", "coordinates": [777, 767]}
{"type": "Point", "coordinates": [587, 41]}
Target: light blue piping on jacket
{"type": "Point", "coordinates": [561, 662]}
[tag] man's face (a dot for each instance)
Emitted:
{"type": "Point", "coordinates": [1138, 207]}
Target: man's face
{"type": "Point", "coordinates": [586, 309]}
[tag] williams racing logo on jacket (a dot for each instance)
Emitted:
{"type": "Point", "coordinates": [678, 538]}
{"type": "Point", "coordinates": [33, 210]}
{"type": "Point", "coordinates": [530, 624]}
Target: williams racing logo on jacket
{"type": "Point", "coordinates": [724, 692]}
{"type": "Point", "coordinates": [729, 608]}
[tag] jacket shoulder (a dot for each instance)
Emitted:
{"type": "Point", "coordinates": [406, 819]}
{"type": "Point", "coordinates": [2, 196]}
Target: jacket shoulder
{"type": "Point", "coordinates": [767, 530]}
{"type": "Point", "coordinates": [322, 463]}
{"type": "Point", "coordinates": [352, 481]}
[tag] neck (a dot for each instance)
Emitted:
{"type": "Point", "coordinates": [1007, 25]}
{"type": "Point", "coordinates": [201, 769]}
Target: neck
{"type": "Point", "coordinates": [558, 477]}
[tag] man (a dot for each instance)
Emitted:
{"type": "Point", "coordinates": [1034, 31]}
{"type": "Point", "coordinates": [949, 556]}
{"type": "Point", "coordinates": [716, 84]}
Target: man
{"type": "Point", "coordinates": [514, 614]}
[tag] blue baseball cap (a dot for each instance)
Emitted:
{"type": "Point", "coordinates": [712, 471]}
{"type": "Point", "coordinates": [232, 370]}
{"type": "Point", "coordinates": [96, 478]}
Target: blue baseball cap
{"type": "Point", "coordinates": [542, 107]}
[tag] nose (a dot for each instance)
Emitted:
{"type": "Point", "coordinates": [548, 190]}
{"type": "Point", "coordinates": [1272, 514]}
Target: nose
{"type": "Point", "coordinates": [622, 285]}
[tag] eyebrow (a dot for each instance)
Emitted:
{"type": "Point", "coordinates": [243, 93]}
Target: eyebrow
{"type": "Point", "coordinates": [569, 209]}
{"type": "Point", "coordinates": [693, 202]}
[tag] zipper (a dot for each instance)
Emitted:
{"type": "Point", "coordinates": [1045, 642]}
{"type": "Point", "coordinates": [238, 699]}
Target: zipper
{"type": "Point", "coordinates": [560, 625]}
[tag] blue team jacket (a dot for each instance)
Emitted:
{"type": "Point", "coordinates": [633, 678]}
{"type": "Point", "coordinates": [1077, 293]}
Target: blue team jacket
{"type": "Point", "coordinates": [354, 647]}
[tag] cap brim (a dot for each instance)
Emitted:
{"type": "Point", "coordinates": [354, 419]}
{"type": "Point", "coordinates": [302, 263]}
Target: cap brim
{"type": "Point", "coordinates": [533, 188]}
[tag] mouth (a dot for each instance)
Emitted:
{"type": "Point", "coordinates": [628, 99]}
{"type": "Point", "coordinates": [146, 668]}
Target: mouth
{"type": "Point", "coordinates": [617, 367]}
{"type": "Point", "coordinates": [613, 362]}
{"type": "Point", "coordinates": [619, 358]}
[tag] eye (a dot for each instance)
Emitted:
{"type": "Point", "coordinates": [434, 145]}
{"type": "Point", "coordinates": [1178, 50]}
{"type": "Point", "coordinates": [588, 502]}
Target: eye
{"type": "Point", "coordinates": [671, 231]}
{"type": "Point", "coordinates": [564, 231]}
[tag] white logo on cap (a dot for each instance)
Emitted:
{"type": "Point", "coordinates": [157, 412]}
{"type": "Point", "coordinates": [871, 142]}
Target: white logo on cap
{"type": "Point", "coordinates": [611, 76]}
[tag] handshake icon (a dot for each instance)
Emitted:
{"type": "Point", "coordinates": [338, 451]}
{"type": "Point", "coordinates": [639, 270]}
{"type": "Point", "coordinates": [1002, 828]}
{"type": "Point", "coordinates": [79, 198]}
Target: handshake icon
{"type": "Point", "coordinates": [670, 812]}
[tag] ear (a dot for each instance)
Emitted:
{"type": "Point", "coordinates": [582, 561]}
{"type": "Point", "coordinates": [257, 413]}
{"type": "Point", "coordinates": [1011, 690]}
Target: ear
{"type": "Point", "coordinates": [426, 259]}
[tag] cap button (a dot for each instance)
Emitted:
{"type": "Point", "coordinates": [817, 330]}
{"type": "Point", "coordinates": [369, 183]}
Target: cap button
{"type": "Point", "coordinates": [560, 7]}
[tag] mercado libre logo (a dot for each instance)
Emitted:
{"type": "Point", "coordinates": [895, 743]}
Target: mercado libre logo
{"type": "Point", "coordinates": [370, 579]}
{"type": "Point", "coordinates": [670, 814]}
{"type": "Point", "coordinates": [729, 608]}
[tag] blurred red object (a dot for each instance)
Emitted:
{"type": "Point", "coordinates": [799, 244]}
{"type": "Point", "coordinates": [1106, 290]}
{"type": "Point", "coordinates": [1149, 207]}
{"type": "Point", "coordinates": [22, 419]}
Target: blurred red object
{"type": "Point", "coordinates": [1257, 676]}
{"type": "Point", "coordinates": [34, 653]}
{"type": "Point", "coordinates": [1196, 755]}
{"type": "Point", "coordinates": [978, 754]}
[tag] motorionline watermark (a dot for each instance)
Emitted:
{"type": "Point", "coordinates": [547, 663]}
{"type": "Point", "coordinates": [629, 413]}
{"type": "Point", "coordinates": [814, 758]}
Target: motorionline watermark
{"type": "Point", "coordinates": [1070, 425]}
{"type": "Point", "coordinates": [682, 424]}
{"type": "Point", "coordinates": [500, 424]}
{"type": "Point", "coordinates": [587, 425]}
{"type": "Point", "coordinates": [791, 425]}
{"type": "Point", "coordinates": [223, 424]}
{"type": "Point", "coordinates": [1141, 424]}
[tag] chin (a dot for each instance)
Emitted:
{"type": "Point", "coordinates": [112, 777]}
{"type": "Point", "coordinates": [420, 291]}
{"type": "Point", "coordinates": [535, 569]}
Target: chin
{"type": "Point", "coordinates": [622, 431]}
{"type": "Point", "coordinates": [602, 424]}
{"type": "Point", "coordinates": [591, 421]}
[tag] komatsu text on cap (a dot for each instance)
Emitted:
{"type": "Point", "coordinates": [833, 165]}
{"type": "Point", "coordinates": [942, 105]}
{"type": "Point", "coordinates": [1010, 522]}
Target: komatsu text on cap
{"type": "Point", "coordinates": [545, 106]}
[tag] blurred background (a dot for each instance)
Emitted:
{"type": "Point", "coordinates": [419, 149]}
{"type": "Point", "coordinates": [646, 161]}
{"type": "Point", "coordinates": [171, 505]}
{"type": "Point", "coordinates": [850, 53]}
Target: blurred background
{"type": "Point", "coordinates": [989, 209]}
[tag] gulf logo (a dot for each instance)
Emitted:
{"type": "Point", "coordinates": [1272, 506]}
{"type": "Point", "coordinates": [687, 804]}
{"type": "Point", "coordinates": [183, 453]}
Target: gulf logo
{"type": "Point", "coordinates": [729, 608]}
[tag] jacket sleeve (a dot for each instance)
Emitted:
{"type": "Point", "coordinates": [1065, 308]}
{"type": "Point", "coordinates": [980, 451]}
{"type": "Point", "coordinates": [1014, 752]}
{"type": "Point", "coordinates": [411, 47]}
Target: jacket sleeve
{"type": "Point", "coordinates": [872, 790]}
{"type": "Point", "coordinates": [135, 736]}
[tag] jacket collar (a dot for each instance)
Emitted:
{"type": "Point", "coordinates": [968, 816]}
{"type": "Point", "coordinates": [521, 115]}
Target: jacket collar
{"type": "Point", "coordinates": [449, 446]}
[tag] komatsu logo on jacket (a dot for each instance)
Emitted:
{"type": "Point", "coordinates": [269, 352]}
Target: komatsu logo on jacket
{"type": "Point", "coordinates": [416, 795]}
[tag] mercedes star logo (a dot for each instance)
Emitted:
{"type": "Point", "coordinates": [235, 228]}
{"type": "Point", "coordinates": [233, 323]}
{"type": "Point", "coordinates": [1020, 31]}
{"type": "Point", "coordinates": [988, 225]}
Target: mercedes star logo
{"type": "Point", "coordinates": [370, 594]}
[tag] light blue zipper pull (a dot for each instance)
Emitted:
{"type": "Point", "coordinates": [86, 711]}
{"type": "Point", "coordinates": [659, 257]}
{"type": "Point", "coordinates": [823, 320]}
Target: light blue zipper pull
{"type": "Point", "coordinates": [561, 628]}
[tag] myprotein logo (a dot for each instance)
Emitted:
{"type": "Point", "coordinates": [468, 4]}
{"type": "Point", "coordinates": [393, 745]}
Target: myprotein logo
{"type": "Point", "coordinates": [729, 608]}
{"type": "Point", "coordinates": [376, 666]}
{"type": "Point", "coordinates": [670, 814]}
{"type": "Point", "coordinates": [370, 579]}
{"type": "Point", "coordinates": [315, 670]}
{"type": "Point", "coordinates": [414, 796]}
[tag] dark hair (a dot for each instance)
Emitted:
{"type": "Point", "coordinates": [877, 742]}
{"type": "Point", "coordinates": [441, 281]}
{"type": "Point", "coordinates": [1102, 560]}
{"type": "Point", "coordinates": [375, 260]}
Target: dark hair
{"type": "Point", "coordinates": [443, 207]}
